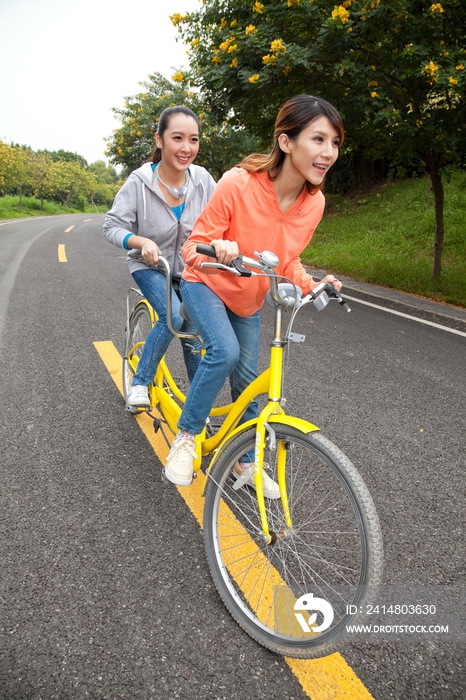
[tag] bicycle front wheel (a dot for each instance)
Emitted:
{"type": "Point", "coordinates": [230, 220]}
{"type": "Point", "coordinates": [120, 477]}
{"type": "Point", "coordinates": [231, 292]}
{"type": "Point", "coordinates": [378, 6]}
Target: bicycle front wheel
{"type": "Point", "coordinates": [296, 595]}
{"type": "Point", "coordinates": [140, 325]}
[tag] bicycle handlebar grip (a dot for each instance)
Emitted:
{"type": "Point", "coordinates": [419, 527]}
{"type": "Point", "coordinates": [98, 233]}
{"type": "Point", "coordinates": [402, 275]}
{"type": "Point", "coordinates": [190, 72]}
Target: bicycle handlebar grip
{"type": "Point", "coordinates": [204, 249]}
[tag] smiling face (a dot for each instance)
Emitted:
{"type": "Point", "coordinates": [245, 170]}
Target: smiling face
{"type": "Point", "coordinates": [313, 152]}
{"type": "Point", "coordinates": [179, 143]}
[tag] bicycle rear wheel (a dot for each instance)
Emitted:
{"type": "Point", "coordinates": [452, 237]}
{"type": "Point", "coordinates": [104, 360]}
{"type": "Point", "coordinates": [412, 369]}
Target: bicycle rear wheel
{"type": "Point", "coordinates": [330, 556]}
{"type": "Point", "coordinates": [140, 325]}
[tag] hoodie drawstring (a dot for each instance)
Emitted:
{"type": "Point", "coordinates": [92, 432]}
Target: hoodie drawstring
{"type": "Point", "coordinates": [144, 199]}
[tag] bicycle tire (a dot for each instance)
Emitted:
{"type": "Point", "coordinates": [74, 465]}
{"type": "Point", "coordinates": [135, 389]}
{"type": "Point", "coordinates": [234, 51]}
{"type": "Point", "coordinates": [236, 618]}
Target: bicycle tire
{"type": "Point", "coordinates": [334, 549]}
{"type": "Point", "coordinates": [140, 325]}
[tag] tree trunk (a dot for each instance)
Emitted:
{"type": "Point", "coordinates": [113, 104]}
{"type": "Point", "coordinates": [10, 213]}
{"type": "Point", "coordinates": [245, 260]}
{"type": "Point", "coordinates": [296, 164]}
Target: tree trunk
{"type": "Point", "coordinates": [433, 168]}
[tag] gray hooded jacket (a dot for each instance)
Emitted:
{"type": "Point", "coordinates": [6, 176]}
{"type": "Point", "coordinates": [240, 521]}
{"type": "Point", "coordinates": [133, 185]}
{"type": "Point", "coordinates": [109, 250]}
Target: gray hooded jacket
{"type": "Point", "coordinates": [140, 208]}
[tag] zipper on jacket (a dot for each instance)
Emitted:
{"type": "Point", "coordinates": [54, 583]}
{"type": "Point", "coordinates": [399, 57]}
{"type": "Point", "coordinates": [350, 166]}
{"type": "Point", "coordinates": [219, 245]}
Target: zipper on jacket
{"type": "Point", "coordinates": [175, 257]}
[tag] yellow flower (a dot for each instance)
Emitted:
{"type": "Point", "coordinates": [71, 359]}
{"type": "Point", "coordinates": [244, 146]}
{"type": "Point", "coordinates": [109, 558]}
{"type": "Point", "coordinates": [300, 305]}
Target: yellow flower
{"type": "Point", "coordinates": [254, 78]}
{"type": "Point", "coordinates": [460, 67]}
{"type": "Point", "coordinates": [216, 59]}
{"type": "Point", "coordinates": [431, 70]}
{"type": "Point", "coordinates": [340, 13]}
{"type": "Point", "coordinates": [286, 70]}
{"type": "Point", "coordinates": [277, 45]}
{"type": "Point", "coordinates": [232, 48]}
{"type": "Point", "coordinates": [269, 59]}
{"type": "Point", "coordinates": [293, 2]}
{"type": "Point", "coordinates": [419, 122]}
{"type": "Point", "coordinates": [176, 19]}
{"type": "Point", "coordinates": [250, 29]}
{"type": "Point", "coordinates": [374, 94]}
{"type": "Point", "coordinates": [452, 81]}
{"type": "Point", "coordinates": [373, 83]}
{"type": "Point", "coordinates": [234, 63]}
{"type": "Point", "coordinates": [194, 42]}
{"type": "Point", "coordinates": [436, 8]}
{"type": "Point", "coordinates": [258, 7]}
{"type": "Point", "coordinates": [224, 46]}
{"type": "Point", "coordinates": [234, 23]}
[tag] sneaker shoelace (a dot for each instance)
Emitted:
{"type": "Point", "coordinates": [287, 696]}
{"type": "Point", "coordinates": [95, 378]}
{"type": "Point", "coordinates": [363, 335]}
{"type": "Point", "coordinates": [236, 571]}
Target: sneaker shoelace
{"type": "Point", "coordinates": [182, 444]}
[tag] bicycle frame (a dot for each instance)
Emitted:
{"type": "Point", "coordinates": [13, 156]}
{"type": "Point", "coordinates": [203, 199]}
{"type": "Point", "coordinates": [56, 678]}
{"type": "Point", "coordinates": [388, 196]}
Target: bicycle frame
{"type": "Point", "coordinates": [164, 390]}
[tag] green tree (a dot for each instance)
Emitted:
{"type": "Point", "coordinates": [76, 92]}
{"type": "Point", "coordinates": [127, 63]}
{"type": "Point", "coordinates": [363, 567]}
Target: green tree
{"type": "Point", "coordinates": [67, 156]}
{"type": "Point", "coordinates": [14, 169]}
{"type": "Point", "coordinates": [72, 184]}
{"type": "Point", "coordinates": [105, 174]}
{"type": "Point", "coordinates": [222, 144]}
{"type": "Point", "coordinates": [396, 70]}
{"type": "Point", "coordinates": [42, 177]}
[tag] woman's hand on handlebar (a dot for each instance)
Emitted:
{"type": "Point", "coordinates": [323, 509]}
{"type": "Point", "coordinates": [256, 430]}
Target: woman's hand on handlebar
{"type": "Point", "coordinates": [150, 252]}
{"type": "Point", "coordinates": [333, 280]}
{"type": "Point", "coordinates": [225, 251]}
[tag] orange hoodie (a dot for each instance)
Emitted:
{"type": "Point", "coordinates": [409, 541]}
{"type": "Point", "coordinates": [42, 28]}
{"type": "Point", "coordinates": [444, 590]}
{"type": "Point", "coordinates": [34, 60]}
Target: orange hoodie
{"type": "Point", "coordinates": [244, 208]}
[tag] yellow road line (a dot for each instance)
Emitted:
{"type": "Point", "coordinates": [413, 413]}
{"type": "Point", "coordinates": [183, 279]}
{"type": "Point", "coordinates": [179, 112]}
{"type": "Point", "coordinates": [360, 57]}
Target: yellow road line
{"type": "Point", "coordinates": [328, 678]}
{"type": "Point", "coordinates": [69, 229]}
{"type": "Point", "coordinates": [86, 220]}
{"type": "Point", "coordinates": [61, 253]}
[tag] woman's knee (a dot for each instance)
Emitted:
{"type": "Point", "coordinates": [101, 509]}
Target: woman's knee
{"type": "Point", "coordinates": [224, 353]}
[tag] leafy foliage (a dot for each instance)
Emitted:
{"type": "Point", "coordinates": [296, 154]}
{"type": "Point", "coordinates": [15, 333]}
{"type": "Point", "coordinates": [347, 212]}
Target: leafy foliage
{"type": "Point", "coordinates": [397, 67]}
{"type": "Point", "coordinates": [396, 70]}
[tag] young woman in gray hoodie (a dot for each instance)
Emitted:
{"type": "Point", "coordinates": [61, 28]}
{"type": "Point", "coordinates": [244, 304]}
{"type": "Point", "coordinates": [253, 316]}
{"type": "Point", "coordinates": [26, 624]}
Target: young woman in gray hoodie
{"type": "Point", "coordinates": [153, 214]}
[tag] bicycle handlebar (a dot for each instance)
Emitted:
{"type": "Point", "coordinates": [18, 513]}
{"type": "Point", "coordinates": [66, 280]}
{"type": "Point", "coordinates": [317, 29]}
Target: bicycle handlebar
{"type": "Point", "coordinates": [266, 264]}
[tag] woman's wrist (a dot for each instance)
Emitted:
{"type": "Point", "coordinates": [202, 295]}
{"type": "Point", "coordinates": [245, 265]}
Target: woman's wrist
{"type": "Point", "coordinates": [125, 241]}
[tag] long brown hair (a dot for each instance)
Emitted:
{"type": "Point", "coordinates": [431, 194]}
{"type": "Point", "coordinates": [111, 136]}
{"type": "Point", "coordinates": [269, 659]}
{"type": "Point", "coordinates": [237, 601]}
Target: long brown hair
{"type": "Point", "coordinates": [164, 120]}
{"type": "Point", "coordinates": [295, 115]}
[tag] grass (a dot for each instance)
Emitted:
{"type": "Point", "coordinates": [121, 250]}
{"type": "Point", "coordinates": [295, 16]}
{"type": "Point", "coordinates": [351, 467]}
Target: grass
{"type": "Point", "coordinates": [386, 237]}
{"type": "Point", "coordinates": [31, 207]}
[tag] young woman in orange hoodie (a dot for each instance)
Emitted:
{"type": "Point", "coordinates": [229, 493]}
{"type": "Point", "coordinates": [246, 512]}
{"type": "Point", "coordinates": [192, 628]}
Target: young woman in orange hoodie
{"type": "Point", "coordinates": [269, 202]}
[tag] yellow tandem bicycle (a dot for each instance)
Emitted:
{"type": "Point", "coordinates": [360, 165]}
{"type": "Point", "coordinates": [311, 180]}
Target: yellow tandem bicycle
{"type": "Point", "coordinates": [296, 571]}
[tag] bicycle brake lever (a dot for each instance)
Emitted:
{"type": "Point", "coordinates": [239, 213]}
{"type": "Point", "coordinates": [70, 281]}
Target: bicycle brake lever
{"type": "Point", "coordinates": [336, 295]}
{"type": "Point", "coordinates": [220, 266]}
{"type": "Point", "coordinates": [345, 305]}
{"type": "Point", "coordinates": [237, 264]}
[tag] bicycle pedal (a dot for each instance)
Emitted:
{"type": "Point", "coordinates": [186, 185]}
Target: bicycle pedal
{"type": "Point", "coordinates": [132, 409]}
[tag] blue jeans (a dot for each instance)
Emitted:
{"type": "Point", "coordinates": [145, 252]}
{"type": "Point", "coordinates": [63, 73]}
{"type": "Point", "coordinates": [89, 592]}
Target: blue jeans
{"type": "Point", "coordinates": [231, 350]}
{"type": "Point", "coordinates": [152, 284]}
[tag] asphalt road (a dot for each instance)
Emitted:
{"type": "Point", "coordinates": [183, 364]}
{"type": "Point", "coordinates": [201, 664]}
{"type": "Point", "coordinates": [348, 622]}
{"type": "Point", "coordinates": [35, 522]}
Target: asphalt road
{"type": "Point", "coordinates": [105, 587]}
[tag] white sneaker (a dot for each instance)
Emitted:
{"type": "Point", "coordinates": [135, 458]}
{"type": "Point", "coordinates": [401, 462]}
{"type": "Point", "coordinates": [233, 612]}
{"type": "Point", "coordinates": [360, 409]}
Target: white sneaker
{"type": "Point", "coordinates": [138, 396]}
{"type": "Point", "coordinates": [271, 489]}
{"type": "Point", "coordinates": [180, 462]}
